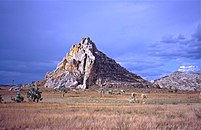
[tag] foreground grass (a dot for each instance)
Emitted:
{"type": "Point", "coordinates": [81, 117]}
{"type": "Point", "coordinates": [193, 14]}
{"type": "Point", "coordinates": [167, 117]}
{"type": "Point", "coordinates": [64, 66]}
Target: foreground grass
{"type": "Point", "coordinates": [97, 116]}
{"type": "Point", "coordinates": [86, 110]}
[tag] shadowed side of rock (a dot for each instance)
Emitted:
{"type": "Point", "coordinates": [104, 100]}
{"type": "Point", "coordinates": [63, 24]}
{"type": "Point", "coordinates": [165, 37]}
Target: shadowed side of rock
{"type": "Point", "coordinates": [108, 71]}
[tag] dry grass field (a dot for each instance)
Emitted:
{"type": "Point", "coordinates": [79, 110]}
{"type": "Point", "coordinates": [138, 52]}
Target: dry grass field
{"type": "Point", "coordinates": [88, 111]}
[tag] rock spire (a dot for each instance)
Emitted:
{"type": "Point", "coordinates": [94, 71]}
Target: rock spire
{"type": "Point", "coordinates": [85, 65]}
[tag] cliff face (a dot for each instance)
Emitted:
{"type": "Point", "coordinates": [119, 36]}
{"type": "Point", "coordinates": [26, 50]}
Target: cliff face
{"type": "Point", "coordinates": [181, 81]}
{"type": "Point", "coordinates": [85, 65]}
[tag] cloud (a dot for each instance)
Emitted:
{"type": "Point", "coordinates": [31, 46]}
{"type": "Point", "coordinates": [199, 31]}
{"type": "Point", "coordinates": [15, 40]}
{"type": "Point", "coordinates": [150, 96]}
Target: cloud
{"type": "Point", "coordinates": [172, 39]}
{"type": "Point", "coordinates": [178, 46]}
{"type": "Point", "coordinates": [190, 68]}
{"type": "Point", "coordinates": [138, 60]}
{"type": "Point", "coordinates": [197, 34]}
{"type": "Point", "coordinates": [169, 39]}
{"type": "Point", "coordinates": [7, 77]}
{"type": "Point", "coordinates": [148, 67]}
{"type": "Point", "coordinates": [24, 72]}
{"type": "Point", "coordinates": [24, 66]}
{"type": "Point", "coordinates": [163, 57]}
{"type": "Point", "coordinates": [10, 73]}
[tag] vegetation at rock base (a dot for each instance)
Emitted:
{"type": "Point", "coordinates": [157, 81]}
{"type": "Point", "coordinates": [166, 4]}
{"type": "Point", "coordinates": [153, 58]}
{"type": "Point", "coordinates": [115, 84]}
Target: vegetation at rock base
{"type": "Point", "coordinates": [18, 98]}
{"type": "Point", "coordinates": [34, 94]}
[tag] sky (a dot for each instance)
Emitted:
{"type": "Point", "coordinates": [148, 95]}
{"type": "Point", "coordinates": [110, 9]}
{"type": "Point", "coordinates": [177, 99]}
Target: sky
{"type": "Point", "coordinates": [151, 38]}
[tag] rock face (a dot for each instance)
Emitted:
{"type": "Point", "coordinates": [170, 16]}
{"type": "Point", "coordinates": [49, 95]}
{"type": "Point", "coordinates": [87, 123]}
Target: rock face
{"type": "Point", "coordinates": [85, 65]}
{"type": "Point", "coordinates": [181, 81]}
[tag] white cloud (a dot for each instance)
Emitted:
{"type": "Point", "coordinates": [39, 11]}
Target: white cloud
{"type": "Point", "coordinates": [190, 68]}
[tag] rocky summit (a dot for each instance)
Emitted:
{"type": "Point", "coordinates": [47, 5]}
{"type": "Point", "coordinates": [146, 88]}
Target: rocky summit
{"type": "Point", "coordinates": [181, 81]}
{"type": "Point", "coordinates": [85, 65]}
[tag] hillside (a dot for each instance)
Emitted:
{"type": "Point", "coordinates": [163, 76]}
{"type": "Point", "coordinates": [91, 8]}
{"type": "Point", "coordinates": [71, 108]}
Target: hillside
{"type": "Point", "coordinates": [181, 81]}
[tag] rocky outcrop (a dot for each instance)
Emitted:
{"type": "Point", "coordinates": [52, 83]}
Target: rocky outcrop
{"type": "Point", "coordinates": [181, 81]}
{"type": "Point", "coordinates": [85, 65]}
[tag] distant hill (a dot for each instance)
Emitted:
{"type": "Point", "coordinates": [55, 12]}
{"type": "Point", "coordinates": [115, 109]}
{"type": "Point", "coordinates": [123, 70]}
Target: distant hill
{"type": "Point", "coordinates": [181, 81]}
{"type": "Point", "coordinates": [2, 85]}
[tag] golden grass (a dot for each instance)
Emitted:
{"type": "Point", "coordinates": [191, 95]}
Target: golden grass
{"type": "Point", "coordinates": [79, 110]}
{"type": "Point", "coordinates": [96, 116]}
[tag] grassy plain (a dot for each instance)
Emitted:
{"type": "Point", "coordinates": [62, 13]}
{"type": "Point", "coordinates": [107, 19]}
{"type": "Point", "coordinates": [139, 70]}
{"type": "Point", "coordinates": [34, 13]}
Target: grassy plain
{"type": "Point", "coordinates": [87, 110]}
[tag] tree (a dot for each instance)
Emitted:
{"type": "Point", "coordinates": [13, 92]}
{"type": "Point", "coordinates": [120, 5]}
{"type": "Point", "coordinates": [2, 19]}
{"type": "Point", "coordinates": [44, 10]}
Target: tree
{"type": "Point", "coordinates": [33, 94]}
{"type": "Point", "coordinates": [18, 98]}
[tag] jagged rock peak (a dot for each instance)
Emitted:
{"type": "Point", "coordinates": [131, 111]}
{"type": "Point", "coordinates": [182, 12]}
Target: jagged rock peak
{"type": "Point", "coordinates": [85, 65]}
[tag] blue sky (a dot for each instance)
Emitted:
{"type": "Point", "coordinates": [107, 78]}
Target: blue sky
{"type": "Point", "coordinates": [151, 38]}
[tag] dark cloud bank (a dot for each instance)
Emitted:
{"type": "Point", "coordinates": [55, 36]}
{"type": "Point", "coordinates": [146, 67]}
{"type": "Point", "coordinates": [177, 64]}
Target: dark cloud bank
{"type": "Point", "coordinates": [160, 58]}
{"type": "Point", "coordinates": [179, 46]}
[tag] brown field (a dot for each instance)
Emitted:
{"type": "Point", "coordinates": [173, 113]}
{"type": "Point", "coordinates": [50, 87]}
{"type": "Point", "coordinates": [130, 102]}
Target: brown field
{"type": "Point", "coordinates": [87, 110]}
